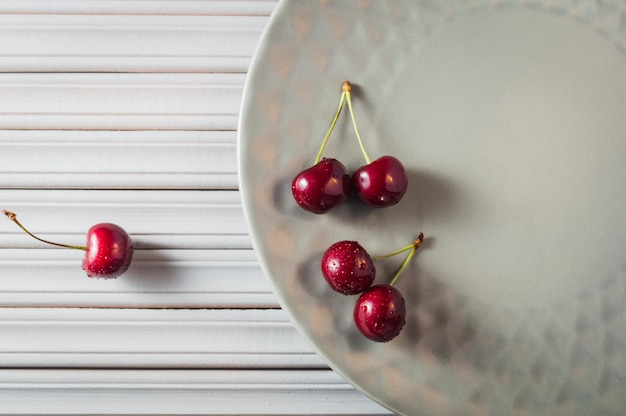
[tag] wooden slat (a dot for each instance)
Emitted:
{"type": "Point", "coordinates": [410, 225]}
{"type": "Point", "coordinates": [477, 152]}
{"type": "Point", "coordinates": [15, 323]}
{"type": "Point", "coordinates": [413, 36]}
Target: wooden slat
{"type": "Point", "coordinates": [157, 279]}
{"type": "Point", "coordinates": [140, 7]}
{"type": "Point", "coordinates": [117, 338]}
{"type": "Point", "coordinates": [105, 36]}
{"type": "Point", "coordinates": [120, 101]}
{"type": "Point", "coordinates": [143, 213]}
{"type": "Point", "coordinates": [126, 111]}
{"type": "Point", "coordinates": [189, 392]}
{"type": "Point", "coordinates": [192, 250]}
{"type": "Point", "coordinates": [118, 159]}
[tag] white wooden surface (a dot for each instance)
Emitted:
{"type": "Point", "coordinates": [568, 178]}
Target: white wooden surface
{"type": "Point", "coordinates": [126, 111]}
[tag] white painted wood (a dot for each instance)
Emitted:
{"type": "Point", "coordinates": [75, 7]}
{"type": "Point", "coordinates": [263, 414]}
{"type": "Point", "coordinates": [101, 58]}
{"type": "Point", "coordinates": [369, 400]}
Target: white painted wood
{"type": "Point", "coordinates": [190, 392]}
{"type": "Point", "coordinates": [192, 250]}
{"type": "Point", "coordinates": [15, 240]}
{"type": "Point", "coordinates": [139, 7]}
{"type": "Point", "coordinates": [118, 159]}
{"type": "Point", "coordinates": [156, 338]}
{"type": "Point", "coordinates": [143, 213]}
{"type": "Point", "coordinates": [111, 57]}
{"type": "Point", "coordinates": [132, 36]}
{"type": "Point", "coordinates": [126, 111]}
{"type": "Point", "coordinates": [175, 278]}
{"type": "Point", "coordinates": [105, 101]}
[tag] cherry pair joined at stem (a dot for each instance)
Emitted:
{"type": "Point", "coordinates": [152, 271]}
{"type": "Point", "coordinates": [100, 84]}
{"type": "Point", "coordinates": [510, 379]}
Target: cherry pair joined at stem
{"type": "Point", "coordinates": [108, 252]}
{"type": "Point", "coordinates": [380, 311]}
{"type": "Point", "coordinates": [326, 184]}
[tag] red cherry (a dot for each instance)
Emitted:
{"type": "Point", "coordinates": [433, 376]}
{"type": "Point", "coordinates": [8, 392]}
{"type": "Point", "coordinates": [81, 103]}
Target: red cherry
{"type": "Point", "coordinates": [348, 268]}
{"type": "Point", "coordinates": [325, 184]}
{"type": "Point", "coordinates": [109, 251]}
{"type": "Point", "coordinates": [381, 183]}
{"type": "Point", "coordinates": [322, 186]}
{"type": "Point", "coordinates": [380, 313]}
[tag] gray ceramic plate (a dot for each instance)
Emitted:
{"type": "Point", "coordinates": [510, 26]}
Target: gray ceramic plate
{"type": "Point", "coordinates": [510, 118]}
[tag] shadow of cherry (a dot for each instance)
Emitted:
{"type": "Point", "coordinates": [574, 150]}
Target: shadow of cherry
{"type": "Point", "coordinates": [311, 279]}
{"type": "Point", "coordinates": [153, 267]}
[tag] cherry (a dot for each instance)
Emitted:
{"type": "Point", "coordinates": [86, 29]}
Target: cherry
{"type": "Point", "coordinates": [348, 268]}
{"type": "Point", "coordinates": [108, 253]}
{"type": "Point", "coordinates": [322, 186]}
{"type": "Point", "coordinates": [326, 184]}
{"type": "Point", "coordinates": [381, 183]}
{"type": "Point", "coordinates": [380, 311]}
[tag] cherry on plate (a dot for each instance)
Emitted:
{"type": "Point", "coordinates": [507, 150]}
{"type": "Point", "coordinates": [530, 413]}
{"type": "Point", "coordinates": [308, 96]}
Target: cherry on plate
{"type": "Point", "coordinates": [380, 313]}
{"type": "Point", "coordinates": [348, 268]}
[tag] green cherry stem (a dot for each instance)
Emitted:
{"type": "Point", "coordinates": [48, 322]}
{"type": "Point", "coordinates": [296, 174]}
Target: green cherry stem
{"type": "Point", "coordinates": [413, 247]}
{"type": "Point", "coordinates": [401, 250]}
{"type": "Point", "coordinates": [332, 127]}
{"type": "Point", "coordinates": [13, 218]}
{"type": "Point", "coordinates": [347, 87]}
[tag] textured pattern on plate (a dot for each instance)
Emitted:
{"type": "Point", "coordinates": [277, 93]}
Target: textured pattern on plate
{"type": "Point", "coordinates": [459, 353]}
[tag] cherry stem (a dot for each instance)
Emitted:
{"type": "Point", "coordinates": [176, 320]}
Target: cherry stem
{"type": "Point", "coordinates": [332, 127]}
{"type": "Point", "coordinates": [346, 88]}
{"type": "Point", "coordinates": [401, 250]}
{"type": "Point", "coordinates": [13, 218]}
{"type": "Point", "coordinates": [413, 247]}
